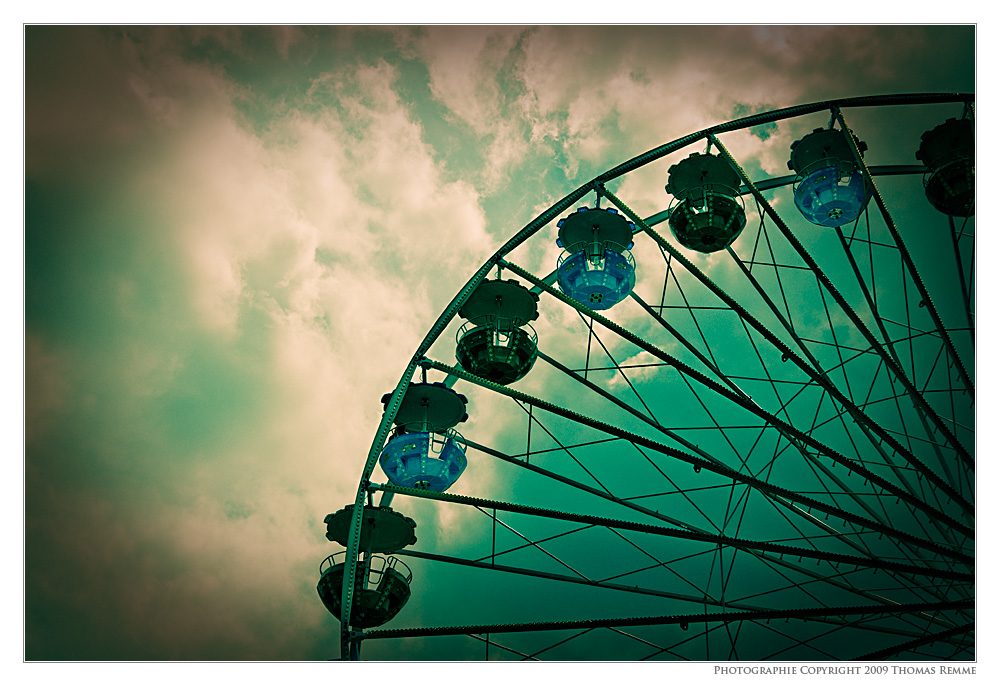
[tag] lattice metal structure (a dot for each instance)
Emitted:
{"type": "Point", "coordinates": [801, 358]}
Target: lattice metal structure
{"type": "Point", "coordinates": [762, 453]}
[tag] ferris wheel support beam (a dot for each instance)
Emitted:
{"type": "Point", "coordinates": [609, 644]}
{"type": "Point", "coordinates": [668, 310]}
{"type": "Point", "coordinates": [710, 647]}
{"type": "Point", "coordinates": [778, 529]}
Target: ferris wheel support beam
{"type": "Point", "coordinates": [719, 469]}
{"type": "Point", "coordinates": [792, 506]}
{"type": "Point", "coordinates": [728, 381]}
{"type": "Point", "coordinates": [528, 543]}
{"type": "Point", "coordinates": [694, 448]}
{"type": "Point", "coordinates": [862, 328]}
{"type": "Point", "coordinates": [757, 410]}
{"type": "Point", "coordinates": [686, 534]}
{"type": "Point", "coordinates": [680, 620]}
{"type": "Point", "coordinates": [700, 600]}
{"type": "Point", "coordinates": [907, 259]}
{"type": "Point", "coordinates": [610, 497]}
{"type": "Point", "coordinates": [916, 643]}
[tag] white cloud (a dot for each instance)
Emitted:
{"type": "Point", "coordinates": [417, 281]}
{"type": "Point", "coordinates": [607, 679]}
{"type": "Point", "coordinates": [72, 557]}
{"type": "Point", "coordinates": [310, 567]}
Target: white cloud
{"type": "Point", "coordinates": [463, 62]}
{"type": "Point", "coordinates": [466, 65]}
{"type": "Point", "coordinates": [322, 249]}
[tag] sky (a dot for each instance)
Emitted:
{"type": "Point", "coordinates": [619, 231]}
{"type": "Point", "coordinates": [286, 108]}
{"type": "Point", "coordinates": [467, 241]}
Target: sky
{"type": "Point", "coordinates": [235, 238]}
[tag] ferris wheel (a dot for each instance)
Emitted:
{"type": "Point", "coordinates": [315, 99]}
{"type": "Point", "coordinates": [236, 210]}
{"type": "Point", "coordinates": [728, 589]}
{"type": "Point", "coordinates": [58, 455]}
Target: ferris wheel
{"type": "Point", "coordinates": [740, 427]}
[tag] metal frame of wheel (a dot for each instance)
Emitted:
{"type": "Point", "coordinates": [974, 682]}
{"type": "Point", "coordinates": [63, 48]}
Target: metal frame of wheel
{"type": "Point", "coordinates": [896, 464]}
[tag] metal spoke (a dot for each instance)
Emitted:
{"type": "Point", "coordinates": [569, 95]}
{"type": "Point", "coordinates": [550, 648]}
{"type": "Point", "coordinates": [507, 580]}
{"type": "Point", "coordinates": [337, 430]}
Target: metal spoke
{"type": "Point", "coordinates": [680, 620]}
{"type": "Point", "coordinates": [680, 533]}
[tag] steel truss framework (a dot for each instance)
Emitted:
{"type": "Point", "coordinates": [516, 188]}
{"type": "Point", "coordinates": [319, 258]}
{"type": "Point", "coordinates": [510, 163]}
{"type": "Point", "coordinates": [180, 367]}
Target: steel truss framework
{"type": "Point", "coordinates": [764, 455]}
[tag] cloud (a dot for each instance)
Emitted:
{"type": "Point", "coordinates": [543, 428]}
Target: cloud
{"type": "Point", "coordinates": [307, 261]}
{"type": "Point", "coordinates": [475, 73]}
{"type": "Point", "coordinates": [463, 63]}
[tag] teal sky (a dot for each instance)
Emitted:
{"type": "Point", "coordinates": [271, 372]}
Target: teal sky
{"type": "Point", "coordinates": [235, 238]}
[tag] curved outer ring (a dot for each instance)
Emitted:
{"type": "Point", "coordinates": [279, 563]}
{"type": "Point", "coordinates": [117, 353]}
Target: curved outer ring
{"type": "Point", "coordinates": [349, 640]}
